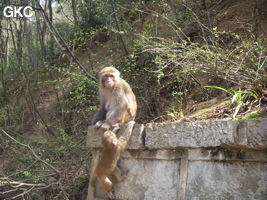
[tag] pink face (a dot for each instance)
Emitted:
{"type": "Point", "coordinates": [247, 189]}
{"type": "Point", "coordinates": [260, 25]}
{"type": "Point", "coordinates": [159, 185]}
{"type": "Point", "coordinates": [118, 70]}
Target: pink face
{"type": "Point", "coordinates": [109, 80]}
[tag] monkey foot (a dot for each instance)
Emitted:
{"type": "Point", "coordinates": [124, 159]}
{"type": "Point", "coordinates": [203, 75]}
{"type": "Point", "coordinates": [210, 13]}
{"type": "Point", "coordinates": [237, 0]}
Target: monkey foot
{"type": "Point", "coordinates": [125, 172]}
{"type": "Point", "coordinates": [111, 195]}
{"type": "Point", "coordinates": [123, 175]}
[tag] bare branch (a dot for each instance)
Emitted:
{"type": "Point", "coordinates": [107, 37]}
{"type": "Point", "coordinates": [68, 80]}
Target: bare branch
{"type": "Point", "coordinates": [33, 152]}
{"type": "Point", "coordinates": [65, 45]}
{"type": "Point", "coordinates": [18, 187]}
{"type": "Point", "coordinates": [17, 184]}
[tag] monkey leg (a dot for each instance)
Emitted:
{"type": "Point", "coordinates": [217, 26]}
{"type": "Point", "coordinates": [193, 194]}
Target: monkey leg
{"type": "Point", "coordinates": [120, 174]}
{"type": "Point", "coordinates": [107, 186]}
{"type": "Point", "coordinates": [106, 183]}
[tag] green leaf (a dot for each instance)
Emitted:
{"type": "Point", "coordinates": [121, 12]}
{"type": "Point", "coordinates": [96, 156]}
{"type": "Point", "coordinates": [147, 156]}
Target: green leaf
{"type": "Point", "coordinates": [216, 87]}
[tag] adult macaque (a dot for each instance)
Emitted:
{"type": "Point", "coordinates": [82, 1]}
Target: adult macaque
{"type": "Point", "coordinates": [118, 103]}
{"type": "Point", "coordinates": [107, 165]}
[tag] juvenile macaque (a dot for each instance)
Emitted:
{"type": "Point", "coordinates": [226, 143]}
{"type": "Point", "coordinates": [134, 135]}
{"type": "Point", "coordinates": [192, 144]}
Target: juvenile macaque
{"type": "Point", "coordinates": [107, 165]}
{"type": "Point", "coordinates": [118, 103]}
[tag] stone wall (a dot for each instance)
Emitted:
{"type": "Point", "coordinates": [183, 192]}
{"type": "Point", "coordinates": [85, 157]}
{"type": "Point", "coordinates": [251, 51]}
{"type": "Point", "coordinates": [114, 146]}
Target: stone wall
{"type": "Point", "coordinates": [194, 160]}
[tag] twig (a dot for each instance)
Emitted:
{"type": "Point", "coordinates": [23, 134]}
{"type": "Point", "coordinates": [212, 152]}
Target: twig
{"type": "Point", "coordinates": [65, 45]}
{"type": "Point", "coordinates": [146, 104]}
{"type": "Point", "coordinates": [17, 184]}
{"type": "Point", "coordinates": [28, 84]}
{"type": "Point", "coordinates": [199, 84]}
{"type": "Point", "coordinates": [118, 27]}
{"type": "Point", "coordinates": [22, 194]}
{"type": "Point", "coordinates": [33, 152]}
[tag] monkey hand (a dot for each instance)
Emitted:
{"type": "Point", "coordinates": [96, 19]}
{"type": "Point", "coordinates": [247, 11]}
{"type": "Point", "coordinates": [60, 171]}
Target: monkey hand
{"type": "Point", "coordinates": [99, 124]}
{"type": "Point", "coordinates": [105, 126]}
{"type": "Point", "coordinates": [131, 123]}
{"type": "Point", "coordinates": [116, 127]}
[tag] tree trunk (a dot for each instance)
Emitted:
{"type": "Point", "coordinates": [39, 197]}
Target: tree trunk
{"type": "Point", "coordinates": [45, 28]}
{"type": "Point", "coordinates": [28, 37]}
{"type": "Point", "coordinates": [73, 4]}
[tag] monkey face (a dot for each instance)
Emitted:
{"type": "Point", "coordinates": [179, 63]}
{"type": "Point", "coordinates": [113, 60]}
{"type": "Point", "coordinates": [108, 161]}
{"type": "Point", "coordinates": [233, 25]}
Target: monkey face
{"type": "Point", "coordinates": [109, 80]}
{"type": "Point", "coordinates": [109, 77]}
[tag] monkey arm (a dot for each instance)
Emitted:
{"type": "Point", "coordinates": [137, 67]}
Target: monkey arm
{"type": "Point", "coordinates": [100, 115]}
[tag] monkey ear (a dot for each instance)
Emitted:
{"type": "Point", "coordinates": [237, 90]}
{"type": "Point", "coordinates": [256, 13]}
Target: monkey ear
{"type": "Point", "coordinates": [114, 142]}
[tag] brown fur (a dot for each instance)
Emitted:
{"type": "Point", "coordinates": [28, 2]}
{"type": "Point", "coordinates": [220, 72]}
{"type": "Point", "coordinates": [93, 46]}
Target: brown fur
{"type": "Point", "coordinates": [117, 103]}
{"type": "Point", "coordinates": [107, 165]}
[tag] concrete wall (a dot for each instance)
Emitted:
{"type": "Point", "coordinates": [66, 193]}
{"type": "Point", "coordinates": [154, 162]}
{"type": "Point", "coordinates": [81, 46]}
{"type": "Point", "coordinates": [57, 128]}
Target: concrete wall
{"type": "Point", "coordinates": [193, 161]}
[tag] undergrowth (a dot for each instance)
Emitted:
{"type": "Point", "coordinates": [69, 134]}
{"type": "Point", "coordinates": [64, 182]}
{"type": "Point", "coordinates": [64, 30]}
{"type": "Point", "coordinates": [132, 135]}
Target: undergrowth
{"type": "Point", "coordinates": [168, 52]}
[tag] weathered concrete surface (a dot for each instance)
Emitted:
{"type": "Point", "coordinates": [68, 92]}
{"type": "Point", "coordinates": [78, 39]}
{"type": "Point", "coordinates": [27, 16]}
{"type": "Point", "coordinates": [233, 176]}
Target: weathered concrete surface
{"type": "Point", "coordinates": [136, 140]}
{"type": "Point", "coordinates": [191, 134]}
{"type": "Point", "coordinates": [226, 180]}
{"type": "Point", "coordinates": [249, 133]}
{"type": "Point", "coordinates": [255, 132]}
{"type": "Point", "coordinates": [148, 178]}
{"type": "Point", "coordinates": [196, 160]}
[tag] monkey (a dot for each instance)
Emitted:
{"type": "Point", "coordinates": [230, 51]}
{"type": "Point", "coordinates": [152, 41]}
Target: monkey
{"type": "Point", "coordinates": [117, 100]}
{"type": "Point", "coordinates": [107, 165]}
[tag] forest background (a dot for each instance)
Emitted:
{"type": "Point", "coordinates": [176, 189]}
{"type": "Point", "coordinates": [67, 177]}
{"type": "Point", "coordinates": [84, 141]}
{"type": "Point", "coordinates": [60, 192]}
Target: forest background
{"type": "Point", "coordinates": [186, 60]}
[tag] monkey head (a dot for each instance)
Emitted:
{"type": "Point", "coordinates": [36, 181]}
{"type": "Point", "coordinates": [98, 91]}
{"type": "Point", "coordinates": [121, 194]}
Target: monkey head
{"type": "Point", "coordinates": [109, 77]}
{"type": "Point", "coordinates": [109, 140]}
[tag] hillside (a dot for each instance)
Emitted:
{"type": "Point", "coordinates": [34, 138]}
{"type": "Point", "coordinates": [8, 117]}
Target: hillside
{"type": "Point", "coordinates": [185, 61]}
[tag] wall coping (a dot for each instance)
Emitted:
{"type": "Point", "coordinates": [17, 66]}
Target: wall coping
{"type": "Point", "coordinates": [246, 134]}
